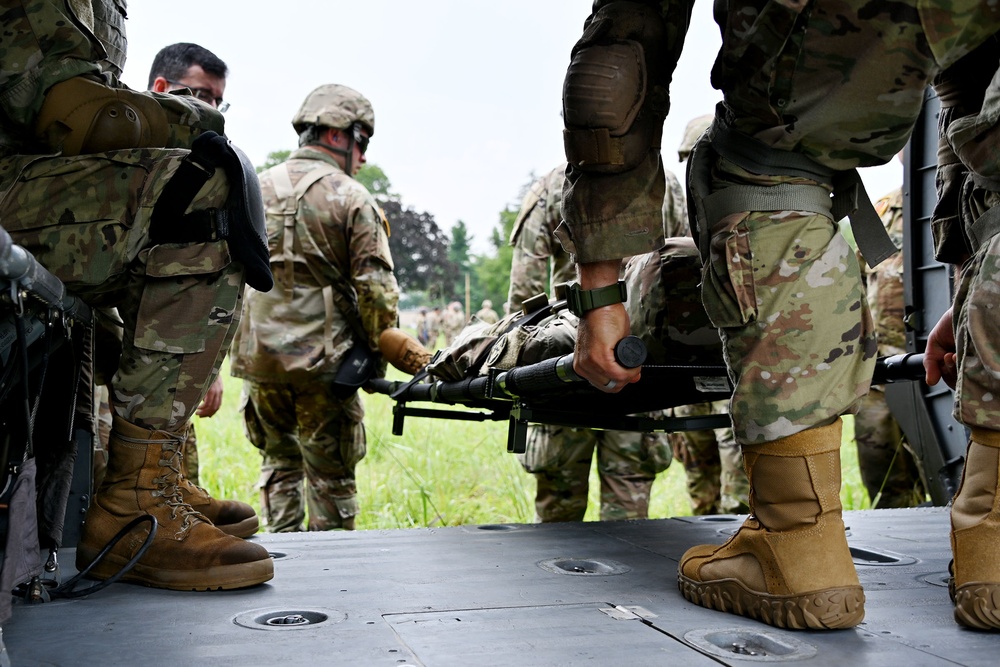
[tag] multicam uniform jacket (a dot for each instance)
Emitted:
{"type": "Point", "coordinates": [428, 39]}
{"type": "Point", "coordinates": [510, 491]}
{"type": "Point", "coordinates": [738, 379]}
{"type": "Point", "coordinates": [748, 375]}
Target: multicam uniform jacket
{"type": "Point", "coordinates": [297, 332]}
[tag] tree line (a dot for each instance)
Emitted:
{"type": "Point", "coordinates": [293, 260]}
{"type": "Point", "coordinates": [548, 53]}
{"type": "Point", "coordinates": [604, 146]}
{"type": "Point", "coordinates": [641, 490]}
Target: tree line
{"type": "Point", "coordinates": [431, 265]}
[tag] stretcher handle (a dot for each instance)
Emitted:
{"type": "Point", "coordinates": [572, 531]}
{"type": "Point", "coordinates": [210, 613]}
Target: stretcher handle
{"type": "Point", "coordinates": [630, 352]}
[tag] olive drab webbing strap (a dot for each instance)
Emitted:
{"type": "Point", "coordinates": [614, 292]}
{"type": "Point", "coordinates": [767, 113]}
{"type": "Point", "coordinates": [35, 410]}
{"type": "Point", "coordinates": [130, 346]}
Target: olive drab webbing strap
{"type": "Point", "coordinates": [698, 176]}
{"type": "Point", "coordinates": [986, 226]}
{"type": "Point", "coordinates": [851, 200]}
{"type": "Point", "coordinates": [849, 196]}
{"type": "Point", "coordinates": [783, 197]}
{"type": "Point", "coordinates": [290, 244]}
{"type": "Point", "coordinates": [290, 197]}
{"type": "Point", "coordinates": [290, 241]}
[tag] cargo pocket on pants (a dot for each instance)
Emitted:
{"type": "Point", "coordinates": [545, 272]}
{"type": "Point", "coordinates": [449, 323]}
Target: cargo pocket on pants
{"type": "Point", "coordinates": [178, 297]}
{"type": "Point", "coordinates": [728, 290]}
{"type": "Point", "coordinates": [251, 421]}
{"type": "Point", "coordinates": [353, 443]}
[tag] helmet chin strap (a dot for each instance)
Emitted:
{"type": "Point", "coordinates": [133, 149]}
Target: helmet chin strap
{"type": "Point", "coordinates": [348, 154]}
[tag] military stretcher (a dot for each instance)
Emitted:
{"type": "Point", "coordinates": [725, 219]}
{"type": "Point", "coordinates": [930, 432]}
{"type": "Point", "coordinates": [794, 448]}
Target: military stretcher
{"type": "Point", "coordinates": [550, 392]}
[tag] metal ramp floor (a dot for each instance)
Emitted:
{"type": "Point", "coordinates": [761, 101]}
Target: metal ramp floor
{"type": "Point", "coordinates": [525, 595]}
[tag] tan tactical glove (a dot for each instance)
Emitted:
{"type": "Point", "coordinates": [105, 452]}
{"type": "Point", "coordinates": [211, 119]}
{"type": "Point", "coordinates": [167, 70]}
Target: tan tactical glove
{"type": "Point", "coordinates": [403, 351]}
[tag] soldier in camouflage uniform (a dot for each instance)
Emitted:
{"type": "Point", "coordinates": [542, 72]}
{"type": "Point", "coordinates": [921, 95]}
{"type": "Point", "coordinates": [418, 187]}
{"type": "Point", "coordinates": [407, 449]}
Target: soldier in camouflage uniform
{"type": "Point", "coordinates": [812, 90]}
{"type": "Point", "coordinates": [888, 468]}
{"type": "Point", "coordinates": [329, 244]}
{"type": "Point", "coordinates": [84, 165]}
{"type": "Point", "coordinates": [423, 327]}
{"type": "Point", "coordinates": [539, 261]}
{"type": "Point", "coordinates": [435, 326]}
{"type": "Point", "coordinates": [452, 321]}
{"type": "Point", "coordinates": [486, 313]}
{"type": "Point", "coordinates": [713, 463]}
{"type": "Point", "coordinates": [559, 456]}
{"type": "Point", "coordinates": [175, 67]}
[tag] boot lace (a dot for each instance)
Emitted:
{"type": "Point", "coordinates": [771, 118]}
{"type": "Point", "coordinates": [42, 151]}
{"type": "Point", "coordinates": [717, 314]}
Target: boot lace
{"type": "Point", "coordinates": [168, 483]}
{"type": "Point", "coordinates": [171, 462]}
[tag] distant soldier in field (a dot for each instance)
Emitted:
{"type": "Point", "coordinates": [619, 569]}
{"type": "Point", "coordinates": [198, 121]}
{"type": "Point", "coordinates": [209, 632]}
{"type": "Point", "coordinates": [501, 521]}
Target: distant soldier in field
{"type": "Point", "coordinates": [435, 325]}
{"type": "Point", "coordinates": [422, 326]}
{"type": "Point", "coordinates": [335, 291]}
{"type": "Point", "coordinates": [452, 321]}
{"type": "Point", "coordinates": [486, 313]}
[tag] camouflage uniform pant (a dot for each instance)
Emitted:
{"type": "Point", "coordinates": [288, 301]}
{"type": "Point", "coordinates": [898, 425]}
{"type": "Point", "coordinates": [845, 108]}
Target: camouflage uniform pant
{"type": "Point", "coordinates": [889, 470]}
{"type": "Point", "coordinates": [785, 290]}
{"type": "Point", "coordinates": [86, 219]}
{"type": "Point", "coordinates": [713, 464]}
{"type": "Point", "coordinates": [977, 323]}
{"type": "Point", "coordinates": [305, 433]}
{"type": "Point", "coordinates": [560, 459]}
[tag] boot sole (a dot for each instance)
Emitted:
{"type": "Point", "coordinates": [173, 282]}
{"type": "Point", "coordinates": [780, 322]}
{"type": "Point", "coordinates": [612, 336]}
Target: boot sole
{"type": "Point", "coordinates": [977, 606]}
{"type": "Point", "coordinates": [829, 609]}
{"type": "Point", "coordinates": [216, 578]}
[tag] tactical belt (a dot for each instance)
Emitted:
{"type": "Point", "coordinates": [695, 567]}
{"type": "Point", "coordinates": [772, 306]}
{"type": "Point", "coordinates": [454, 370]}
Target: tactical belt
{"type": "Point", "coordinates": [849, 196]}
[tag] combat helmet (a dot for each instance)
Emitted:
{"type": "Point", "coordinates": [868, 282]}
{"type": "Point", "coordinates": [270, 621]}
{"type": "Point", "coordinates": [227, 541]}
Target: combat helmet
{"type": "Point", "coordinates": [695, 128]}
{"type": "Point", "coordinates": [336, 106]}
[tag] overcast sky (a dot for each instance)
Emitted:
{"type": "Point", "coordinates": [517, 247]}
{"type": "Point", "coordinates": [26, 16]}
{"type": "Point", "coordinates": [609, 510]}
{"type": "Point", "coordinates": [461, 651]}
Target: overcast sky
{"type": "Point", "coordinates": [466, 92]}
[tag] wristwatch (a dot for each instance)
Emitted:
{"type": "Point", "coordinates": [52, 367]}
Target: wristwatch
{"type": "Point", "coordinates": [580, 301]}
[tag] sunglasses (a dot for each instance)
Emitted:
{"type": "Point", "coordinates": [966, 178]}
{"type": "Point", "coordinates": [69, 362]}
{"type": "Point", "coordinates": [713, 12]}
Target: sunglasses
{"type": "Point", "coordinates": [360, 139]}
{"type": "Point", "coordinates": [205, 95]}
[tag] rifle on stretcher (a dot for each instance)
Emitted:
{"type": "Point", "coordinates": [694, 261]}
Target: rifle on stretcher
{"type": "Point", "coordinates": [550, 392]}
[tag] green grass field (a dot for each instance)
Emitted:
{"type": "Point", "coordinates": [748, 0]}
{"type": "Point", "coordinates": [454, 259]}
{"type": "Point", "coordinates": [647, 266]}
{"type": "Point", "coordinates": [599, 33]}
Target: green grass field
{"type": "Point", "coordinates": [438, 473]}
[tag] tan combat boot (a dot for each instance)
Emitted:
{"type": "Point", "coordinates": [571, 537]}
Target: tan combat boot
{"type": "Point", "coordinates": [788, 565]}
{"type": "Point", "coordinates": [230, 516]}
{"type": "Point", "coordinates": [975, 535]}
{"type": "Point", "coordinates": [188, 553]}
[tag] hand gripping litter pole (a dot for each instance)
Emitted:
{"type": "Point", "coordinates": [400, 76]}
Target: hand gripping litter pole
{"type": "Point", "coordinates": [630, 352]}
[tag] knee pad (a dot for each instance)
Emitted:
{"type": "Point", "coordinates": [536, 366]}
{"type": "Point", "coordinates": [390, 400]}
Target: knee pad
{"type": "Point", "coordinates": [82, 116]}
{"type": "Point", "coordinates": [615, 95]}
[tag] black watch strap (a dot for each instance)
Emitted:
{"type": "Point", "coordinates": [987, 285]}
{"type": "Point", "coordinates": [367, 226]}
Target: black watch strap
{"type": "Point", "coordinates": [580, 301]}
